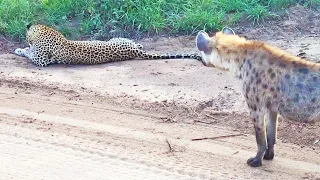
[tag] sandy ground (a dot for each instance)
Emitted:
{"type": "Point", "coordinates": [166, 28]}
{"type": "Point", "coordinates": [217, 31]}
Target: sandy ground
{"type": "Point", "coordinates": [136, 119]}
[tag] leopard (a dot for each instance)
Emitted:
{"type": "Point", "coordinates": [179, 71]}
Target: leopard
{"type": "Point", "coordinates": [49, 46]}
{"type": "Point", "coordinates": [275, 83]}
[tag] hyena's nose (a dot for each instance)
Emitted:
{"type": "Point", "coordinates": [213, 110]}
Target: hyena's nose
{"type": "Point", "coordinates": [204, 62]}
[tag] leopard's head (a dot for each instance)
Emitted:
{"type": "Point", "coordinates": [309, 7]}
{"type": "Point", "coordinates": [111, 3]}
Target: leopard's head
{"type": "Point", "coordinates": [38, 32]}
{"type": "Point", "coordinates": [34, 33]}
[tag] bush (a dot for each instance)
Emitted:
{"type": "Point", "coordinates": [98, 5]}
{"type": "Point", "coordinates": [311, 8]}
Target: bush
{"type": "Point", "coordinates": [106, 18]}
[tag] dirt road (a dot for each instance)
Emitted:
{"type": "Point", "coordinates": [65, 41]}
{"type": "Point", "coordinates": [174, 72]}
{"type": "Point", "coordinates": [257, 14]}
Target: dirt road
{"type": "Point", "coordinates": [53, 137]}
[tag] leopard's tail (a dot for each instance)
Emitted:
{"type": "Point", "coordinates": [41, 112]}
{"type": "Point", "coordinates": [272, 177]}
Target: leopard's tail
{"type": "Point", "coordinates": [146, 55]}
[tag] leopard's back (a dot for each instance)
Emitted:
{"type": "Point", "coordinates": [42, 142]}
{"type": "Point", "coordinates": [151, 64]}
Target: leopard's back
{"type": "Point", "coordinates": [48, 46]}
{"type": "Point", "coordinates": [96, 52]}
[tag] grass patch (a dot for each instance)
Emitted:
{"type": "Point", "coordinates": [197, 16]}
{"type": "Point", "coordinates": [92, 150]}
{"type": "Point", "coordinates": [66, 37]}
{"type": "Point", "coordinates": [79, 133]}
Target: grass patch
{"type": "Point", "coordinates": [107, 18]}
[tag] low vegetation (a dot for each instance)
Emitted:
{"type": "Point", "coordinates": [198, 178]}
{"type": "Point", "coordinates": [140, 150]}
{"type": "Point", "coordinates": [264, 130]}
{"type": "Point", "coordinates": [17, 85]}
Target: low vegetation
{"type": "Point", "coordinates": [106, 18]}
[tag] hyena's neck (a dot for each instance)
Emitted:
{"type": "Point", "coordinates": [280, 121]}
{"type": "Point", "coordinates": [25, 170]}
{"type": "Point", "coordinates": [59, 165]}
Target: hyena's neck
{"type": "Point", "coordinates": [234, 58]}
{"type": "Point", "coordinates": [235, 51]}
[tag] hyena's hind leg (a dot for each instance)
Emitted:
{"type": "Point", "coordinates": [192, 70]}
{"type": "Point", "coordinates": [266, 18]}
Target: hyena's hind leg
{"type": "Point", "coordinates": [272, 123]}
{"type": "Point", "coordinates": [260, 129]}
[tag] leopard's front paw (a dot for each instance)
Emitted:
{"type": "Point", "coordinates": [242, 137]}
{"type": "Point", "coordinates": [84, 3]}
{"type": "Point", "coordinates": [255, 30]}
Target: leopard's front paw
{"type": "Point", "coordinates": [22, 52]}
{"type": "Point", "coordinates": [19, 51]}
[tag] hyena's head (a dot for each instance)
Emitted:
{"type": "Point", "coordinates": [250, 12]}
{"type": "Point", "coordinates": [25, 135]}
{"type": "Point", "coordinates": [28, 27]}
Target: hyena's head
{"type": "Point", "coordinates": [217, 51]}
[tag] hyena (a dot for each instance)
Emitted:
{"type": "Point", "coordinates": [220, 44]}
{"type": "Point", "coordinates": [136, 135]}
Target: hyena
{"type": "Point", "coordinates": [274, 83]}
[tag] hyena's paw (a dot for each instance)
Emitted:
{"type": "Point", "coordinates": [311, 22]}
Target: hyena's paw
{"type": "Point", "coordinates": [254, 162]}
{"type": "Point", "coordinates": [269, 155]}
{"type": "Point", "coordinates": [22, 52]}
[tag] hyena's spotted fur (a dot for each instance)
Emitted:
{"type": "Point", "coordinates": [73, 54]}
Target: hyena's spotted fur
{"type": "Point", "coordinates": [274, 82]}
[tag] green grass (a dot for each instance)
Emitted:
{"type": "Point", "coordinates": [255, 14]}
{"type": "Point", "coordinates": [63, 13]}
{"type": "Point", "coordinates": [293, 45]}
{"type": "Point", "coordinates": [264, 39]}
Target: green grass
{"type": "Point", "coordinates": [106, 18]}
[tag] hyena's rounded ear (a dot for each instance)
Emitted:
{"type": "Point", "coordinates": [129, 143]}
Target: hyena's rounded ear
{"type": "Point", "coordinates": [227, 30]}
{"type": "Point", "coordinates": [203, 42]}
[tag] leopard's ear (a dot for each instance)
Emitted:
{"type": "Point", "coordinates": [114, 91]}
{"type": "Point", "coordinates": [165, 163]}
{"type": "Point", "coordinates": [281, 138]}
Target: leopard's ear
{"type": "Point", "coordinates": [227, 30]}
{"type": "Point", "coordinates": [28, 25]}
